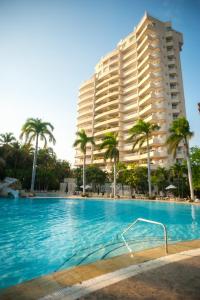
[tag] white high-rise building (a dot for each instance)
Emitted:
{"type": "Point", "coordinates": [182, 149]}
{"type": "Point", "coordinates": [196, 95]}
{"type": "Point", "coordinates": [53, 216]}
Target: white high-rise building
{"type": "Point", "coordinates": [140, 79]}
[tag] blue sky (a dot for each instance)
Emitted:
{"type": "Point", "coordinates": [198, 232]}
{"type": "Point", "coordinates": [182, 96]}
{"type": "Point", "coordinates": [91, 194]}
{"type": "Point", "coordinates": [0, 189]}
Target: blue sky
{"type": "Point", "coordinates": [48, 48]}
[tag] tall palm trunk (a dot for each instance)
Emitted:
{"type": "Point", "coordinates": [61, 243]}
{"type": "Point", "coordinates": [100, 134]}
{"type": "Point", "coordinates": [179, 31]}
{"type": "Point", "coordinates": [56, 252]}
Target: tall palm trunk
{"type": "Point", "coordinates": [189, 170]}
{"type": "Point", "coordinates": [114, 183]}
{"type": "Point", "coordinates": [34, 165]}
{"type": "Point", "coordinates": [148, 166]}
{"type": "Point", "coordinates": [84, 174]}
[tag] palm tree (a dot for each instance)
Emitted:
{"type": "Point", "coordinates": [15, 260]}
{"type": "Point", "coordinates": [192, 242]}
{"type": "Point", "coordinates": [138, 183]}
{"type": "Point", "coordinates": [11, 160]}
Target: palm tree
{"type": "Point", "coordinates": [180, 133]}
{"type": "Point", "coordinates": [141, 132]}
{"type": "Point", "coordinates": [35, 130]}
{"type": "Point", "coordinates": [110, 143]}
{"type": "Point", "coordinates": [83, 140]}
{"type": "Point", "coordinates": [7, 138]}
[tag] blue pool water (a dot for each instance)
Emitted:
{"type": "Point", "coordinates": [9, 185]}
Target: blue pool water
{"type": "Point", "coordinates": [40, 236]}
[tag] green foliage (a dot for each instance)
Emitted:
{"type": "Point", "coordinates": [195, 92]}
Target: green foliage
{"type": "Point", "coordinates": [16, 161]}
{"type": "Point", "coordinates": [134, 176]}
{"type": "Point", "coordinates": [83, 140]}
{"type": "Point", "coordinates": [110, 143]}
{"type": "Point", "coordinates": [141, 131]}
{"type": "Point", "coordinates": [179, 132]}
{"type": "Point", "coordinates": [77, 173]}
{"type": "Point", "coordinates": [160, 179]}
{"type": "Point", "coordinates": [7, 138]}
{"type": "Point", "coordinates": [195, 162]}
{"type": "Point", "coordinates": [95, 176]}
{"type": "Point", "coordinates": [122, 173]}
{"type": "Point", "coordinates": [34, 128]}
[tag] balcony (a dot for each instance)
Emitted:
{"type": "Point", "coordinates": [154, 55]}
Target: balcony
{"type": "Point", "coordinates": [110, 104]}
{"type": "Point", "coordinates": [145, 99]}
{"type": "Point", "coordinates": [111, 121]}
{"type": "Point", "coordinates": [147, 28]}
{"type": "Point", "coordinates": [129, 64]}
{"type": "Point", "coordinates": [106, 80]}
{"type": "Point", "coordinates": [84, 90]}
{"type": "Point", "coordinates": [107, 96]}
{"type": "Point", "coordinates": [79, 154]}
{"type": "Point", "coordinates": [155, 117]}
{"type": "Point", "coordinates": [160, 154]}
{"type": "Point", "coordinates": [99, 152]}
{"type": "Point", "coordinates": [149, 86]}
{"type": "Point", "coordinates": [144, 79]}
{"type": "Point", "coordinates": [87, 127]}
{"type": "Point", "coordinates": [132, 106]}
{"type": "Point", "coordinates": [106, 113]}
{"type": "Point", "coordinates": [147, 49]}
{"type": "Point", "coordinates": [127, 127]}
{"type": "Point", "coordinates": [129, 98]}
{"type": "Point", "coordinates": [129, 116]}
{"type": "Point", "coordinates": [130, 53]}
{"type": "Point", "coordinates": [130, 88]}
{"type": "Point", "coordinates": [100, 161]}
{"type": "Point", "coordinates": [86, 98]}
{"type": "Point", "coordinates": [107, 88]}
{"type": "Point", "coordinates": [130, 157]}
{"type": "Point", "coordinates": [102, 132]}
{"type": "Point", "coordinates": [143, 71]}
{"type": "Point", "coordinates": [141, 43]}
{"type": "Point", "coordinates": [131, 78]}
{"type": "Point", "coordinates": [83, 106]}
{"type": "Point", "coordinates": [84, 114]}
{"type": "Point", "coordinates": [132, 69]}
{"type": "Point", "coordinates": [143, 61]}
{"type": "Point", "coordinates": [86, 120]}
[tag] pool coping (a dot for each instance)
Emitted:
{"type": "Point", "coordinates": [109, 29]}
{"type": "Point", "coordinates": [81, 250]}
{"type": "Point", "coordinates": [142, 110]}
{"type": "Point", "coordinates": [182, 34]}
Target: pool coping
{"type": "Point", "coordinates": [43, 286]}
{"type": "Point", "coordinates": [118, 199]}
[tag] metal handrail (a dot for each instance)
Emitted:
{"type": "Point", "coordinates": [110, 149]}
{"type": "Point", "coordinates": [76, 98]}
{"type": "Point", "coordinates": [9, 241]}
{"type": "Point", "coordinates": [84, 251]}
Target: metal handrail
{"type": "Point", "coordinates": [146, 221]}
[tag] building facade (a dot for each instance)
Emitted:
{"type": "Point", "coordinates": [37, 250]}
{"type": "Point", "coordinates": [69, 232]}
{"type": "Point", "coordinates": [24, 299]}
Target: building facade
{"type": "Point", "coordinates": [140, 79]}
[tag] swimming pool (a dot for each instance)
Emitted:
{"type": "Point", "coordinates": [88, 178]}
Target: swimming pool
{"type": "Point", "coordinates": [40, 236]}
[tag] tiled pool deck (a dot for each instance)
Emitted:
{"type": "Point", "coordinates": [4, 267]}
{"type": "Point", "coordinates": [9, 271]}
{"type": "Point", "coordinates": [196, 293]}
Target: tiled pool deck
{"type": "Point", "coordinates": [46, 287]}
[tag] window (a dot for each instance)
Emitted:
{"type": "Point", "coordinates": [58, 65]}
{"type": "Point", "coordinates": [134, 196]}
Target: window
{"type": "Point", "coordinates": [170, 67]}
{"type": "Point", "coordinates": [172, 76]}
{"type": "Point", "coordinates": [173, 85]}
{"type": "Point", "coordinates": [179, 149]}
{"type": "Point", "coordinates": [174, 105]}
{"type": "Point", "coordinates": [169, 39]}
{"type": "Point", "coordinates": [174, 95]}
{"type": "Point", "coordinates": [170, 57]}
{"type": "Point", "coordinates": [175, 116]}
{"type": "Point", "coordinates": [169, 48]}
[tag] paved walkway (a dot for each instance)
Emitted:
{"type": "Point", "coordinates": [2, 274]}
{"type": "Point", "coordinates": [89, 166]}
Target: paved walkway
{"type": "Point", "coordinates": [179, 280]}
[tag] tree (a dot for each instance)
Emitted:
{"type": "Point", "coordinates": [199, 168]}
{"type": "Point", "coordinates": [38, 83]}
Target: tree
{"type": "Point", "coordinates": [35, 130]}
{"type": "Point", "coordinates": [110, 143]}
{"type": "Point", "coordinates": [136, 177]}
{"type": "Point", "coordinates": [140, 133]}
{"type": "Point", "coordinates": [160, 178]}
{"type": "Point", "coordinates": [83, 140]}
{"type": "Point", "coordinates": [7, 138]}
{"type": "Point", "coordinates": [178, 171]}
{"type": "Point", "coordinates": [180, 133]}
{"type": "Point", "coordinates": [96, 177]}
{"type": "Point", "coordinates": [195, 162]}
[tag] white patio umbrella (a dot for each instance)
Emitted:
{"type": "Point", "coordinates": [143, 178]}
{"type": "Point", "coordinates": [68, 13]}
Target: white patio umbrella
{"type": "Point", "coordinates": [87, 187]}
{"type": "Point", "coordinates": [170, 187]}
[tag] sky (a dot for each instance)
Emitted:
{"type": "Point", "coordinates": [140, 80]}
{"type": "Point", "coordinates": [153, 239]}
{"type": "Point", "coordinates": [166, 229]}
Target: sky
{"type": "Point", "coordinates": [48, 48]}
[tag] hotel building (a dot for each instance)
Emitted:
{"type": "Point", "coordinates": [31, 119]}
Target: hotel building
{"type": "Point", "coordinates": [140, 79]}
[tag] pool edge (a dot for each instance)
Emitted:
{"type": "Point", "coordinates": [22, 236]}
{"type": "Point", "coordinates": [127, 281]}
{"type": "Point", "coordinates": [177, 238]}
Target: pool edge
{"type": "Point", "coordinates": [48, 284]}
